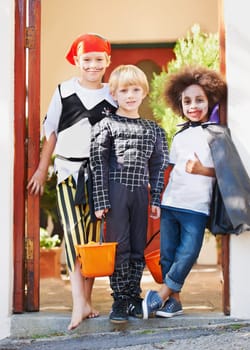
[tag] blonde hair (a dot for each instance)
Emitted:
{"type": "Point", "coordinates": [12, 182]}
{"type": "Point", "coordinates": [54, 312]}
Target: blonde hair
{"type": "Point", "coordinates": [125, 75]}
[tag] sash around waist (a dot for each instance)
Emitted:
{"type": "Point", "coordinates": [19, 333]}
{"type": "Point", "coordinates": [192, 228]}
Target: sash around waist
{"type": "Point", "coordinates": [72, 159]}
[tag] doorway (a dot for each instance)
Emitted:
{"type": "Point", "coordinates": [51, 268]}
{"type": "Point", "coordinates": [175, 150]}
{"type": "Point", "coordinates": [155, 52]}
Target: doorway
{"type": "Point", "coordinates": [150, 57]}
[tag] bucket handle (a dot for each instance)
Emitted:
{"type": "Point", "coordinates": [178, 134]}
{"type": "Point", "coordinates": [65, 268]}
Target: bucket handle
{"type": "Point", "coordinates": [101, 230]}
{"type": "Point", "coordinates": [152, 237]}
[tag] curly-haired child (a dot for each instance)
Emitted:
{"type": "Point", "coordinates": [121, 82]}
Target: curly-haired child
{"type": "Point", "coordinates": [203, 158]}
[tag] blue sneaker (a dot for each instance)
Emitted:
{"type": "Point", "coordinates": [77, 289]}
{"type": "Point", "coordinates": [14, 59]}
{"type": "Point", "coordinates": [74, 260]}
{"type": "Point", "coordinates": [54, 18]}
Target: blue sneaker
{"type": "Point", "coordinates": [151, 303]}
{"type": "Point", "coordinates": [171, 308]}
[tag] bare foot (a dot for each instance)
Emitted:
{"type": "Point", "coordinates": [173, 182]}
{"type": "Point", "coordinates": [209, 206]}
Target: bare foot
{"type": "Point", "coordinates": [78, 315]}
{"type": "Point", "coordinates": [93, 314]}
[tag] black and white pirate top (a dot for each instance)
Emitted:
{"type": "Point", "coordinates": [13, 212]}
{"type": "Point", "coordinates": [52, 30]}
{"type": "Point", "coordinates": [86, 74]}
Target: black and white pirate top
{"type": "Point", "coordinates": [132, 152]}
{"type": "Point", "coordinates": [72, 111]}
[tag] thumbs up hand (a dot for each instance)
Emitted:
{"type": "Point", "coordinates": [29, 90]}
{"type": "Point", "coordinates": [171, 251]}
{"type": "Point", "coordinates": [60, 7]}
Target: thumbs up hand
{"type": "Point", "coordinates": [194, 166]}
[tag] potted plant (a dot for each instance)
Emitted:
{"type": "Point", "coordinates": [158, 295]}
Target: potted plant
{"type": "Point", "coordinates": [50, 255]}
{"type": "Point", "coordinates": [48, 204]}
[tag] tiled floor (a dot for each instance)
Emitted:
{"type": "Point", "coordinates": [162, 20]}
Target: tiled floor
{"type": "Point", "coordinates": [202, 291]}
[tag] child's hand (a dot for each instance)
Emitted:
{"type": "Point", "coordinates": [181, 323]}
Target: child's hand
{"type": "Point", "coordinates": [194, 166]}
{"type": "Point", "coordinates": [36, 183]}
{"type": "Point", "coordinates": [101, 213]}
{"type": "Point", "coordinates": [155, 212]}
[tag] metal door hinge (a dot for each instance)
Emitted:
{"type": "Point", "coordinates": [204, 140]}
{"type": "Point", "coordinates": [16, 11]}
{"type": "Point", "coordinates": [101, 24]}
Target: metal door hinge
{"type": "Point", "coordinates": [29, 248]}
{"type": "Point", "coordinates": [30, 37]}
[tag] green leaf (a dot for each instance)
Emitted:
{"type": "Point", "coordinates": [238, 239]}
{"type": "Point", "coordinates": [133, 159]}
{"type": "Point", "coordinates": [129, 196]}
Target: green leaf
{"type": "Point", "coordinates": [47, 241]}
{"type": "Point", "coordinates": [196, 48]}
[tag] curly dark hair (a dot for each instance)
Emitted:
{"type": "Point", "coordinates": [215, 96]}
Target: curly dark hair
{"type": "Point", "coordinates": [209, 80]}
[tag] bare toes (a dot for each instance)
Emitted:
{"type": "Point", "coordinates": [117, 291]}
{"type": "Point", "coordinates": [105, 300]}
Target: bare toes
{"type": "Point", "coordinates": [94, 314]}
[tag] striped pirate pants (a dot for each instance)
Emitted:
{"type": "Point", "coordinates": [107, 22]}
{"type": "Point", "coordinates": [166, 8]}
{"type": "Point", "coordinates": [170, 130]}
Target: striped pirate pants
{"type": "Point", "coordinates": [77, 225]}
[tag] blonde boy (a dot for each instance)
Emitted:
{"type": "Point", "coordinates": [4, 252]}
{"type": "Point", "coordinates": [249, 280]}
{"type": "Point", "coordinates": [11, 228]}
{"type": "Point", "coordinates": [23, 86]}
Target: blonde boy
{"type": "Point", "coordinates": [128, 154]}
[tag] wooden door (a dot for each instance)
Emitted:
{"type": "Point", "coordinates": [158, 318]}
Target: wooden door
{"type": "Point", "coordinates": [20, 158]}
{"type": "Point", "coordinates": [150, 57]}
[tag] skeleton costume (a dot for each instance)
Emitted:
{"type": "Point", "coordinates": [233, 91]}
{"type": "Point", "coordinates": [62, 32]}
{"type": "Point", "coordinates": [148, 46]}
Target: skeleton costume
{"type": "Point", "coordinates": [127, 155]}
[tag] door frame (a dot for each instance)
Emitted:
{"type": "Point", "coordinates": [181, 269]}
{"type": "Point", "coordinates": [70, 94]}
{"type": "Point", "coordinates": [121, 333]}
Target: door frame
{"type": "Point", "coordinates": [26, 217]}
{"type": "Point", "coordinates": [26, 225]}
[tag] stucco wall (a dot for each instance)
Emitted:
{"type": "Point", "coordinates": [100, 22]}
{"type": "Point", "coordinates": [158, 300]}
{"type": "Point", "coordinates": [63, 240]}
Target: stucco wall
{"type": "Point", "coordinates": [6, 161]}
{"type": "Point", "coordinates": [120, 21]}
{"type": "Point", "coordinates": [238, 72]}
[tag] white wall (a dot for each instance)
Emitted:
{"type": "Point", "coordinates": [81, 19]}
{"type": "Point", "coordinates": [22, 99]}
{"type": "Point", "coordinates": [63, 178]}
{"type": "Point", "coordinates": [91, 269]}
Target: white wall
{"type": "Point", "coordinates": [238, 73]}
{"type": "Point", "coordinates": [6, 161]}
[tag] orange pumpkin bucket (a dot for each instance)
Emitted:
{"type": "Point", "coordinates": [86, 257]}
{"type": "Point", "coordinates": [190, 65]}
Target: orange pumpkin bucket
{"type": "Point", "coordinates": [97, 259]}
{"type": "Point", "coordinates": [152, 260]}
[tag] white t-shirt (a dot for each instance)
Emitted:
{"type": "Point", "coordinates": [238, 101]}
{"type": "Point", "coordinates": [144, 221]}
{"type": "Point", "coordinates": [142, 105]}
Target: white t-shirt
{"type": "Point", "coordinates": [184, 190]}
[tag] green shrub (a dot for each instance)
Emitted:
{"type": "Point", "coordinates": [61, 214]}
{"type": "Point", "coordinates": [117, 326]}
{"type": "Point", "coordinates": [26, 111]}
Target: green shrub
{"type": "Point", "coordinates": [196, 48]}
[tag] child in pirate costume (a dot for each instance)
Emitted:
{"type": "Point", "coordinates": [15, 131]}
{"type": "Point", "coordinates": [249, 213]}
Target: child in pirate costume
{"type": "Point", "coordinates": [127, 154]}
{"type": "Point", "coordinates": [76, 105]}
{"type": "Point", "coordinates": [203, 160]}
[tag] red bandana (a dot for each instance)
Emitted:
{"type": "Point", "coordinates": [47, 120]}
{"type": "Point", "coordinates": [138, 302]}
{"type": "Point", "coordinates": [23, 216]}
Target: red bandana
{"type": "Point", "coordinates": [88, 43]}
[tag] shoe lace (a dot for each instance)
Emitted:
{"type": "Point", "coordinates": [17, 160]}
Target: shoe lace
{"type": "Point", "coordinates": [172, 305]}
{"type": "Point", "coordinates": [155, 304]}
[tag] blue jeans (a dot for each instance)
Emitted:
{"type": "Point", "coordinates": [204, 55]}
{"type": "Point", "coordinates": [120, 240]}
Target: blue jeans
{"type": "Point", "coordinates": [182, 235]}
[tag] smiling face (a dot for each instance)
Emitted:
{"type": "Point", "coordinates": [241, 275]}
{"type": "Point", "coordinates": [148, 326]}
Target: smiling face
{"type": "Point", "coordinates": [195, 104]}
{"type": "Point", "coordinates": [92, 66]}
{"type": "Point", "coordinates": [129, 99]}
{"type": "Point", "coordinates": [128, 85]}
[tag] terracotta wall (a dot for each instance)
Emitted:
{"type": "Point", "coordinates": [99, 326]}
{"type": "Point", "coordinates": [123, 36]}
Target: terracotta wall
{"type": "Point", "coordinates": [141, 21]}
